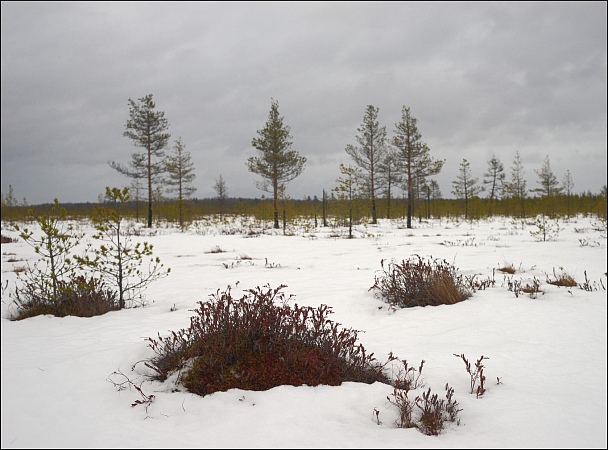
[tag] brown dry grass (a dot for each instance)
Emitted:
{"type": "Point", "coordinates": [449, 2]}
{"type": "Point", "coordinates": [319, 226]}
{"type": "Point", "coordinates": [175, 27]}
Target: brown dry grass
{"type": "Point", "coordinates": [507, 269]}
{"type": "Point", "coordinates": [7, 239]}
{"type": "Point", "coordinates": [419, 282]}
{"type": "Point", "coordinates": [563, 280]}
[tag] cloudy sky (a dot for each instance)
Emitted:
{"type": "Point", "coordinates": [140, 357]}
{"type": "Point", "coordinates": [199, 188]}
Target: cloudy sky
{"type": "Point", "coordinates": [482, 79]}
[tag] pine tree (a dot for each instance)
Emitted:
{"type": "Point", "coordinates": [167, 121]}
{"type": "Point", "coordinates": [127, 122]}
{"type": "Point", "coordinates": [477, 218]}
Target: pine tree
{"type": "Point", "coordinates": [414, 159]}
{"type": "Point", "coordinates": [370, 152]}
{"type": "Point", "coordinates": [389, 176]}
{"type": "Point", "coordinates": [549, 186]}
{"type": "Point", "coordinates": [434, 193]}
{"type": "Point", "coordinates": [136, 188]}
{"type": "Point", "coordinates": [117, 261]}
{"type": "Point", "coordinates": [567, 187]}
{"type": "Point", "coordinates": [9, 202]}
{"type": "Point", "coordinates": [325, 208]}
{"type": "Point", "coordinates": [277, 163]}
{"type": "Point", "coordinates": [9, 199]}
{"type": "Point", "coordinates": [147, 129]}
{"type": "Point", "coordinates": [495, 179]}
{"type": "Point", "coordinates": [516, 187]}
{"type": "Point", "coordinates": [465, 186]}
{"type": "Point", "coordinates": [222, 193]}
{"type": "Point", "coordinates": [351, 187]}
{"type": "Point", "coordinates": [435, 190]}
{"type": "Point", "coordinates": [180, 175]}
{"type": "Point", "coordinates": [57, 238]}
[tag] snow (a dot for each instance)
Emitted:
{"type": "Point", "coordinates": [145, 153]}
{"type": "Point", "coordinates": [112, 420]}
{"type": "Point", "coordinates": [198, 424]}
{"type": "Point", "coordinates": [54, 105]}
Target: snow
{"type": "Point", "coordinates": [549, 352]}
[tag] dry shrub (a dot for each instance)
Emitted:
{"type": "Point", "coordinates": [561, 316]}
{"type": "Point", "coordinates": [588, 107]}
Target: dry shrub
{"type": "Point", "coordinates": [408, 379]}
{"type": "Point", "coordinates": [78, 296]}
{"type": "Point", "coordinates": [517, 287]}
{"type": "Point", "coordinates": [417, 282]}
{"type": "Point", "coordinates": [434, 412]}
{"type": "Point", "coordinates": [532, 289]}
{"type": "Point", "coordinates": [7, 239]}
{"type": "Point", "coordinates": [254, 344]}
{"type": "Point", "coordinates": [476, 374]}
{"type": "Point", "coordinates": [507, 269]}
{"type": "Point", "coordinates": [592, 286]}
{"type": "Point", "coordinates": [216, 249]}
{"type": "Point", "coordinates": [563, 279]}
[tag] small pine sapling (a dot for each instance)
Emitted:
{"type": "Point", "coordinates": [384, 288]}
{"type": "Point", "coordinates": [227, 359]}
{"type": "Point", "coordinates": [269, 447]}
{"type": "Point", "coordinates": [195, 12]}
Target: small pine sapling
{"type": "Point", "coordinates": [55, 284]}
{"type": "Point", "coordinates": [545, 230]}
{"type": "Point", "coordinates": [53, 246]}
{"type": "Point", "coordinates": [117, 260]}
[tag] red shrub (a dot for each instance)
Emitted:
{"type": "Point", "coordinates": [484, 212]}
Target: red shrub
{"type": "Point", "coordinates": [254, 343]}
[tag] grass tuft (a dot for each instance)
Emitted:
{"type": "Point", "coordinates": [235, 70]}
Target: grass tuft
{"type": "Point", "coordinates": [417, 282]}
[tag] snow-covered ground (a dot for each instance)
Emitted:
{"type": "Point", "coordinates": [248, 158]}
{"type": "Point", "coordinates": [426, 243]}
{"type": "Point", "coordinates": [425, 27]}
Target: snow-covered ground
{"type": "Point", "coordinates": [549, 352]}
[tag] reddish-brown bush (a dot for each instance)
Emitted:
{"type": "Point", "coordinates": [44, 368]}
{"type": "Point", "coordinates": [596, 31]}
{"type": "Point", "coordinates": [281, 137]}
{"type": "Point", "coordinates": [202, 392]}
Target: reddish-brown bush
{"type": "Point", "coordinates": [434, 412]}
{"type": "Point", "coordinates": [258, 342]}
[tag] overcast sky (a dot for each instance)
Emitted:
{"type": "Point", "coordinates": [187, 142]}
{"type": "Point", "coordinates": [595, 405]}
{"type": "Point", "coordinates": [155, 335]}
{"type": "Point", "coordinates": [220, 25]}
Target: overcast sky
{"type": "Point", "coordinates": [482, 79]}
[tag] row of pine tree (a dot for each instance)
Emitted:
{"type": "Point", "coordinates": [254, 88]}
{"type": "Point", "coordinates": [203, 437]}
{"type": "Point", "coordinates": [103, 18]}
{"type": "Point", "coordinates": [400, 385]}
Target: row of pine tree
{"type": "Point", "coordinates": [382, 166]}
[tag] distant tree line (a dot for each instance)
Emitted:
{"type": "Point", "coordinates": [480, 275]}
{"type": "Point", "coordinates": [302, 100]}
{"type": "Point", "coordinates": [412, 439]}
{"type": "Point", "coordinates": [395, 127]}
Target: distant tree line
{"type": "Point", "coordinates": [335, 209]}
{"type": "Point", "coordinates": [391, 177]}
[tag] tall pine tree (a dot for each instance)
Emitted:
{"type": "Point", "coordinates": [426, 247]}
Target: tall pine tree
{"type": "Point", "coordinates": [351, 187]}
{"type": "Point", "coordinates": [414, 160]}
{"type": "Point", "coordinates": [277, 163]}
{"type": "Point", "coordinates": [465, 186]}
{"type": "Point", "coordinates": [389, 176]}
{"type": "Point", "coordinates": [549, 186]}
{"type": "Point", "coordinates": [516, 187]}
{"type": "Point", "coordinates": [222, 193]}
{"type": "Point", "coordinates": [147, 128]}
{"type": "Point", "coordinates": [180, 175]}
{"type": "Point", "coordinates": [495, 179]}
{"type": "Point", "coordinates": [370, 152]}
{"type": "Point", "coordinates": [567, 187]}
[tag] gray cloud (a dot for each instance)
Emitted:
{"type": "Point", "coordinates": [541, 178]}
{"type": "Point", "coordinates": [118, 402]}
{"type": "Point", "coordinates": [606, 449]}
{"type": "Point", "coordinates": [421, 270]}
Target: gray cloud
{"type": "Point", "coordinates": [481, 78]}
